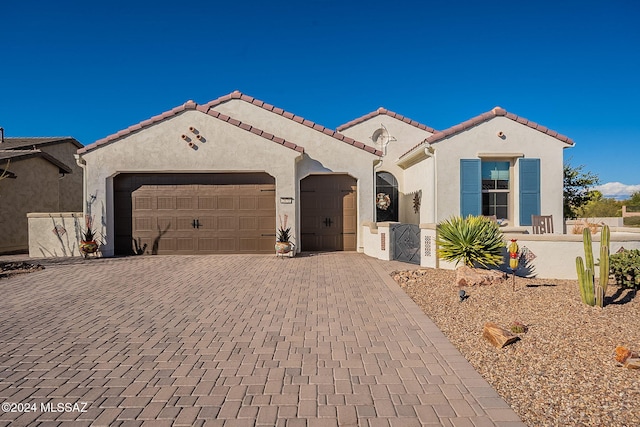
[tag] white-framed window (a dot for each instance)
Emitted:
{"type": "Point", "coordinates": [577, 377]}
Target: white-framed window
{"type": "Point", "coordinates": [496, 186]}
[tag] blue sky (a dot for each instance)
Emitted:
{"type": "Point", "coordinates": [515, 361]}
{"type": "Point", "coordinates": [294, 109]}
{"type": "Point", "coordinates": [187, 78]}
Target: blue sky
{"type": "Point", "coordinates": [89, 69]}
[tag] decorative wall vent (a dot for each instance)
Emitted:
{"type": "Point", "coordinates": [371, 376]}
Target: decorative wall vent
{"type": "Point", "coordinates": [427, 246]}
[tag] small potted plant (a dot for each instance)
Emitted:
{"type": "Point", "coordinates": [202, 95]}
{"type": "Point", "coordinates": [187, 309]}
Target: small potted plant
{"type": "Point", "coordinates": [283, 244]}
{"type": "Point", "coordinates": [88, 244]}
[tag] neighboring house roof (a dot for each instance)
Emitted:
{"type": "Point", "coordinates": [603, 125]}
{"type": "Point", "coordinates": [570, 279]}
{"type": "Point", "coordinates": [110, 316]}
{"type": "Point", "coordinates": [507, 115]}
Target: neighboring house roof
{"type": "Point", "coordinates": [495, 112]}
{"type": "Point", "coordinates": [35, 142]}
{"type": "Point", "coordinates": [384, 111]}
{"type": "Point", "coordinates": [17, 155]}
{"type": "Point", "coordinates": [208, 109]}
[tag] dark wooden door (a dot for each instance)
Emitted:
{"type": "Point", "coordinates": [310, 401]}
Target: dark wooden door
{"type": "Point", "coordinates": [328, 213]}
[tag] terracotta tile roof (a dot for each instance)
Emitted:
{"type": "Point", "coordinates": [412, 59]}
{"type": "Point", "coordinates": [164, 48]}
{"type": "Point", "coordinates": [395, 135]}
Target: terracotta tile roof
{"type": "Point", "coordinates": [291, 116]}
{"type": "Point", "coordinates": [16, 155]}
{"type": "Point", "coordinates": [22, 142]}
{"type": "Point", "coordinates": [387, 113]}
{"type": "Point", "coordinates": [189, 105]}
{"type": "Point", "coordinates": [207, 109]}
{"type": "Point", "coordinates": [495, 112]}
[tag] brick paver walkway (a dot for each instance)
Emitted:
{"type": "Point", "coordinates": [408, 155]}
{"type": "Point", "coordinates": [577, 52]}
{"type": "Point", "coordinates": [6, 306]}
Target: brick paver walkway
{"type": "Point", "coordinates": [321, 340]}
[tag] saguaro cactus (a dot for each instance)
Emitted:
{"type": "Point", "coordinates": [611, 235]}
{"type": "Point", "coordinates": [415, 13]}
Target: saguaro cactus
{"type": "Point", "coordinates": [605, 237]}
{"type": "Point", "coordinates": [590, 292]}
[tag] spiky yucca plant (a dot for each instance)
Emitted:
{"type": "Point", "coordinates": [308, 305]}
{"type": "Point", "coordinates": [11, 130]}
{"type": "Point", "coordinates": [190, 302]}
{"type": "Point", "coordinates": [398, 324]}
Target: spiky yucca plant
{"type": "Point", "coordinates": [472, 240]}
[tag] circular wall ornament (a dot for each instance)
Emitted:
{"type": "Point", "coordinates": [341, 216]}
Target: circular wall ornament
{"type": "Point", "coordinates": [383, 201]}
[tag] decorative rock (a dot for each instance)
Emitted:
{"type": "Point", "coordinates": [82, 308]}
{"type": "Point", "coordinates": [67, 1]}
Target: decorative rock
{"type": "Point", "coordinates": [468, 276]}
{"type": "Point", "coordinates": [632, 363]}
{"type": "Point", "coordinates": [498, 336]}
{"type": "Point", "coordinates": [627, 358]}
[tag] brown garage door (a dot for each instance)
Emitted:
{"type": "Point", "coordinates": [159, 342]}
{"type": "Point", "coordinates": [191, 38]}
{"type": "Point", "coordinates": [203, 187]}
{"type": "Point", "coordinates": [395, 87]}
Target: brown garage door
{"type": "Point", "coordinates": [329, 213]}
{"type": "Point", "coordinates": [191, 214]}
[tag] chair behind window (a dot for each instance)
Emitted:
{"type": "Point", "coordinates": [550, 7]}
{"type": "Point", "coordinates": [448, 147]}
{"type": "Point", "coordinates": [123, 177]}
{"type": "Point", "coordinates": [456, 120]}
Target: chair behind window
{"type": "Point", "coordinates": [542, 224]}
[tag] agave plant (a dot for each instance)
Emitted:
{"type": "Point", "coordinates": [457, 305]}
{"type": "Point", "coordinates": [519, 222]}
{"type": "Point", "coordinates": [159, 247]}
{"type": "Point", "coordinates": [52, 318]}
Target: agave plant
{"type": "Point", "coordinates": [284, 232]}
{"type": "Point", "coordinates": [472, 240]}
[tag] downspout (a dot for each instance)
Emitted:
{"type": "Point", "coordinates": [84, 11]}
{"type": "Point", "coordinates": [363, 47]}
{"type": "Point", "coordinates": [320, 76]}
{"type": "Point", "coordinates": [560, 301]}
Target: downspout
{"type": "Point", "coordinates": [432, 151]}
{"type": "Point", "coordinates": [83, 164]}
{"type": "Point", "coordinates": [435, 183]}
{"type": "Point", "coordinates": [376, 167]}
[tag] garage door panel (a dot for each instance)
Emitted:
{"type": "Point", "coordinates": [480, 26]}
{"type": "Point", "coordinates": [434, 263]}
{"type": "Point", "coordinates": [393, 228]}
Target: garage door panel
{"type": "Point", "coordinates": [207, 223]}
{"type": "Point", "coordinates": [227, 244]}
{"type": "Point", "coordinates": [227, 223]}
{"type": "Point", "coordinates": [166, 223]}
{"type": "Point", "coordinates": [185, 203]}
{"type": "Point", "coordinates": [142, 203]}
{"type": "Point", "coordinates": [248, 224]}
{"type": "Point", "coordinates": [226, 203]}
{"type": "Point", "coordinates": [266, 245]}
{"type": "Point", "coordinates": [231, 218]}
{"type": "Point", "coordinates": [166, 203]}
{"type": "Point", "coordinates": [247, 203]}
{"type": "Point", "coordinates": [207, 244]}
{"type": "Point", "coordinates": [144, 223]}
{"type": "Point", "coordinates": [185, 244]}
{"type": "Point", "coordinates": [206, 202]}
{"type": "Point", "coordinates": [166, 244]}
{"type": "Point", "coordinates": [267, 202]}
{"type": "Point", "coordinates": [183, 223]}
{"type": "Point", "coordinates": [266, 225]}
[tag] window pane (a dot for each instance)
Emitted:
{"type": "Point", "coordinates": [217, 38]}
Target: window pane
{"type": "Point", "coordinates": [495, 170]}
{"type": "Point", "coordinates": [501, 198]}
{"type": "Point", "coordinates": [488, 184]}
{"type": "Point", "coordinates": [495, 203]}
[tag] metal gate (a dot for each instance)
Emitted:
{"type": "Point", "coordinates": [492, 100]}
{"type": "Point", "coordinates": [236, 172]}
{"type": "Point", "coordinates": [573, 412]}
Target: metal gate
{"type": "Point", "coordinates": [405, 243]}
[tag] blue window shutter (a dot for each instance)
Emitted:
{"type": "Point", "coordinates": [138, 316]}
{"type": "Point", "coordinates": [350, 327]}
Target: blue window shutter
{"type": "Point", "coordinates": [470, 187]}
{"type": "Point", "coordinates": [529, 189]}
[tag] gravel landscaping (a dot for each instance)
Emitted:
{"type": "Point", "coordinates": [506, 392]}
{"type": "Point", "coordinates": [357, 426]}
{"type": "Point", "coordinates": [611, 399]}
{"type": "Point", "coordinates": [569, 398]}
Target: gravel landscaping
{"type": "Point", "coordinates": [562, 372]}
{"type": "Point", "coordinates": [11, 268]}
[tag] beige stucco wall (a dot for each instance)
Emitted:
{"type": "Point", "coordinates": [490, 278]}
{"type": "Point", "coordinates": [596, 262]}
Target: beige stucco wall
{"type": "Point", "coordinates": [35, 189]}
{"type": "Point", "coordinates": [403, 137]}
{"type": "Point", "coordinates": [70, 184]}
{"type": "Point", "coordinates": [227, 148]}
{"type": "Point", "coordinates": [160, 148]}
{"type": "Point", "coordinates": [484, 139]}
{"type": "Point", "coordinates": [55, 234]}
{"type": "Point", "coordinates": [323, 153]}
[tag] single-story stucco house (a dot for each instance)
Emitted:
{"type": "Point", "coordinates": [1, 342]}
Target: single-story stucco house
{"type": "Point", "coordinates": [220, 177]}
{"type": "Point", "coordinates": [41, 176]}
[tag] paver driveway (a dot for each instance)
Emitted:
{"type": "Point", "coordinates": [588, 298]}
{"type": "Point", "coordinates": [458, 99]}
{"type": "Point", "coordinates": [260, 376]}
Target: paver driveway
{"type": "Point", "coordinates": [317, 340]}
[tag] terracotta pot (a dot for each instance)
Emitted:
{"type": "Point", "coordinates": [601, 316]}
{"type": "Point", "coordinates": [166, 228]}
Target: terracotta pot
{"type": "Point", "coordinates": [283, 247]}
{"type": "Point", "coordinates": [88, 246]}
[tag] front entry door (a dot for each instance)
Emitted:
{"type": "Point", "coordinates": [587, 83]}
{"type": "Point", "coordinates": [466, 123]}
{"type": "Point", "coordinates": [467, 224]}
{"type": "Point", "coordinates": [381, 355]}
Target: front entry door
{"type": "Point", "coordinates": [328, 213]}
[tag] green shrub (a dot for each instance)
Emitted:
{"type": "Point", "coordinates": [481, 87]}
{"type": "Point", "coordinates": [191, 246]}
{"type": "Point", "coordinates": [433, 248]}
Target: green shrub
{"type": "Point", "coordinates": [632, 221]}
{"type": "Point", "coordinates": [625, 266]}
{"type": "Point", "coordinates": [472, 240]}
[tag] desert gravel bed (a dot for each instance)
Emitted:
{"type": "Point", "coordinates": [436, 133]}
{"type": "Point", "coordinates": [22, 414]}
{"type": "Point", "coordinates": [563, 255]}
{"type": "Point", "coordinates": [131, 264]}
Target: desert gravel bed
{"type": "Point", "coordinates": [562, 371]}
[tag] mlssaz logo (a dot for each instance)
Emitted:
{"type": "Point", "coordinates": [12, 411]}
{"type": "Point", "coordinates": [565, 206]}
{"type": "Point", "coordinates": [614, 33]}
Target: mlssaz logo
{"type": "Point", "coordinates": [64, 407]}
